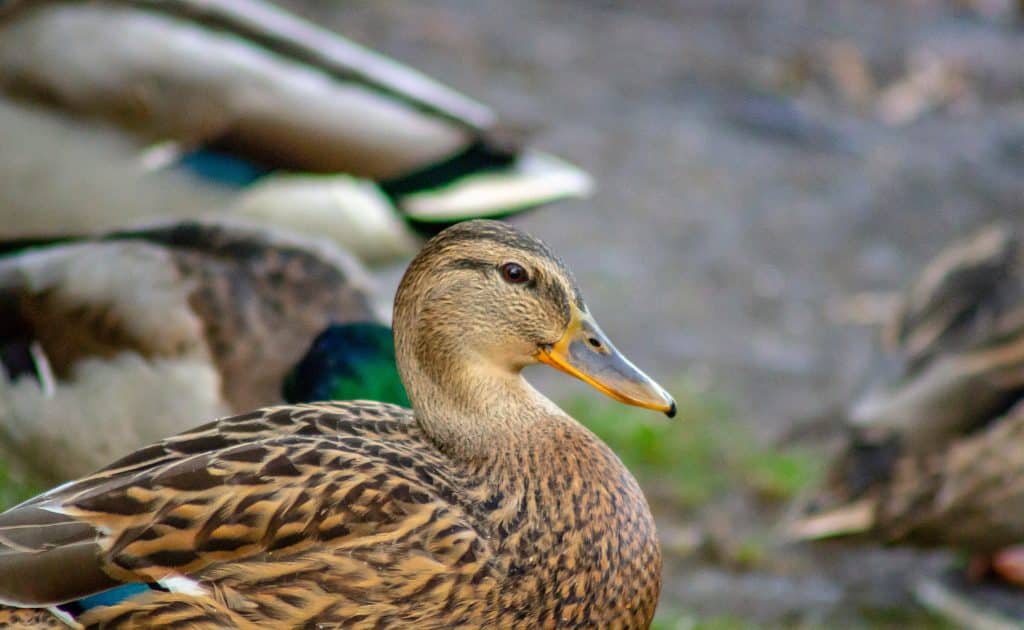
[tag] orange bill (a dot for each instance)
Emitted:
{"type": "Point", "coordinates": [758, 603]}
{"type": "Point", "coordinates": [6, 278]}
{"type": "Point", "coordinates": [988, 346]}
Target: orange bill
{"type": "Point", "coordinates": [586, 353]}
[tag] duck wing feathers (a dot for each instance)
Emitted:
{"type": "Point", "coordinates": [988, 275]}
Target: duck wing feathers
{"type": "Point", "coordinates": [968, 298]}
{"type": "Point", "coordinates": [955, 348]}
{"type": "Point", "coordinates": [281, 484]}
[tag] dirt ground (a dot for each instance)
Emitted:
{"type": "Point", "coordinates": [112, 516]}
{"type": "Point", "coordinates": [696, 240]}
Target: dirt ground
{"type": "Point", "coordinates": [768, 171]}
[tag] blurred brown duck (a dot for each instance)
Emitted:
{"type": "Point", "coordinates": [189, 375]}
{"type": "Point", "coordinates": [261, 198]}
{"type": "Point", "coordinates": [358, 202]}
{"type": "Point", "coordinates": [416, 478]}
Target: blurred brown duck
{"type": "Point", "coordinates": [483, 506]}
{"type": "Point", "coordinates": [936, 456]}
{"type": "Point", "coordinates": [129, 110]}
{"type": "Point", "coordinates": [110, 343]}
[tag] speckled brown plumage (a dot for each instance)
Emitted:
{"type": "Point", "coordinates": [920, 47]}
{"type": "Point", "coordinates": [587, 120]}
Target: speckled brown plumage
{"type": "Point", "coordinates": [969, 496]}
{"type": "Point", "coordinates": [954, 345]}
{"type": "Point", "coordinates": [210, 299]}
{"type": "Point", "coordinates": [348, 512]}
{"type": "Point", "coordinates": [367, 515]}
{"type": "Point", "coordinates": [29, 619]}
{"type": "Point", "coordinates": [935, 457]}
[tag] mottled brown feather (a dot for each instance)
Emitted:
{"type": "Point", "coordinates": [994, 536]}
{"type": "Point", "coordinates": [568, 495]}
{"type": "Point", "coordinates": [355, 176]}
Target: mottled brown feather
{"type": "Point", "coordinates": [964, 299]}
{"type": "Point", "coordinates": [970, 496]}
{"type": "Point", "coordinates": [336, 512]}
{"type": "Point", "coordinates": [486, 507]}
{"type": "Point", "coordinates": [218, 294]}
{"type": "Point", "coordinates": [941, 461]}
{"type": "Point", "coordinates": [261, 300]}
{"type": "Point", "coordinates": [29, 619]}
{"type": "Point", "coordinates": [954, 354]}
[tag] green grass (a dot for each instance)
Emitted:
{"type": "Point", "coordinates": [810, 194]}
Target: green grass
{"type": "Point", "coordinates": [681, 621]}
{"type": "Point", "coordinates": [899, 618]}
{"type": "Point", "coordinates": [13, 490]}
{"type": "Point", "coordinates": [703, 453]}
{"type": "Point", "coordinates": [869, 620]}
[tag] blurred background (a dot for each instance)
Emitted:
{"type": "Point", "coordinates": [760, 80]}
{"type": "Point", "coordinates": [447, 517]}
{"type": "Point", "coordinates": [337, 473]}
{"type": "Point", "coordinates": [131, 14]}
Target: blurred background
{"type": "Point", "coordinates": [757, 164]}
{"type": "Point", "coordinates": [769, 176]}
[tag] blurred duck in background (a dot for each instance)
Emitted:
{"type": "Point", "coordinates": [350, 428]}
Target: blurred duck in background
{"type": "Point", "coordinates": [117, 111]}
{"type": "Point", "coordinates": [354, 361]}
{"type": "Point", "coordinates": [936, 456]}
{"type": "Point", "coordinates": [109, 343]}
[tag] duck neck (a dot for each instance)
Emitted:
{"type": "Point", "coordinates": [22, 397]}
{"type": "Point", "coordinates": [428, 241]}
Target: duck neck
{"type": "Point", "coordinates": [472, 411]}
{"type": "Point", "coordinates": [470, 408]}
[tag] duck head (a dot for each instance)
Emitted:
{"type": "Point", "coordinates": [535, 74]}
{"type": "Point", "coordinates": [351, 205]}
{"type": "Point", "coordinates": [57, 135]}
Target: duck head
{"type": "Point", "coordinates": [481, 302]}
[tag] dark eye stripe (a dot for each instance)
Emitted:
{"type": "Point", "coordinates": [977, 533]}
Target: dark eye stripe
{"type": "Point", "coordinates": [507, 236]}
{"type": "Point", "coordinates": [470, 263]}
{"type": "Point", "coordinates": [554, 292]}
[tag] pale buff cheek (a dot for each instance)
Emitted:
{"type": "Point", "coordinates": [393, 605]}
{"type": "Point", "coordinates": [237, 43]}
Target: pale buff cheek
{"type": "Point", "coordinates": [548, 328]}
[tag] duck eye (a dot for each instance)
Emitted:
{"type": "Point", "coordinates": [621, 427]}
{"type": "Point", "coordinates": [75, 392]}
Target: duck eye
{"type": "Point", "coordinates": [513, 273]}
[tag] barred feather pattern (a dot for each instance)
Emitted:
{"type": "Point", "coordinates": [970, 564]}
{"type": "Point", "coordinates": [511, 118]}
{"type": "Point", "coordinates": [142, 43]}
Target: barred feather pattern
{"type": "Point", "coordinates": [345, 515]}
{"type": "Point", "coordinates": [29, 619]}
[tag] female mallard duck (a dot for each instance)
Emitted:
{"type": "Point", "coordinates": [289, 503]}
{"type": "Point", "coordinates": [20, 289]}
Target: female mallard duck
{"type": "Point", "coordinates": [110, 343]}
{"type": "Point", "coordinates": [131, 109]}
{"type": "Point", "coordinates": [937, 454]}
{"type": "Point", "coordinates": [483, 506]}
